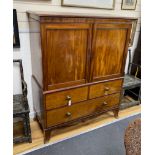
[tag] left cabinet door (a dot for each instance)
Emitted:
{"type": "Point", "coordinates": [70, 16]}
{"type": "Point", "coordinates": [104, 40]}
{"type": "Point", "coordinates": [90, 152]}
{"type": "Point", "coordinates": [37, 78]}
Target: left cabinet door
{"type": "Point", "coordinates": [65, 54]}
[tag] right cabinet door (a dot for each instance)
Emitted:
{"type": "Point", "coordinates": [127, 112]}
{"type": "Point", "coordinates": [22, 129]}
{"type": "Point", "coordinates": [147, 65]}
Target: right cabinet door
{"type": "Point", "coordinates": [109, 50]}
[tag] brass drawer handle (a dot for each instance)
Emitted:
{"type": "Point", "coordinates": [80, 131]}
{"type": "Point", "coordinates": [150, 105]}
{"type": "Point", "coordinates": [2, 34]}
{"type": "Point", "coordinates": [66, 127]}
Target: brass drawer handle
{"type": "Point", "coordinates": [106, 89]}
{"type": "Point", "coordinates": [105, 103]}
{"type": "Point", "coordinates": [68, 98]}
{"type": "Point", "coordinates": [68, 114]}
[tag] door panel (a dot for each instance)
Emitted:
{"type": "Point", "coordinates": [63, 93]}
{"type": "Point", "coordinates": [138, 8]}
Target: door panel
{"type": "Point", "coordinates": [66, 54]}
{"type": "Point", "coordinates": [109, 45]}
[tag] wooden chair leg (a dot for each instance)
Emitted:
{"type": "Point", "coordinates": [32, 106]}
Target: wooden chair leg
{"type": "Point", "coordinates": [46, 136]}
{"type": "Point", "coordinates": [27, 128]}
{"type": "Point", "coordinates": [25, 125]}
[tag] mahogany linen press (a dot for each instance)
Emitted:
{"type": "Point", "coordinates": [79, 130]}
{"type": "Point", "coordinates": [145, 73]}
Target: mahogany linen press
{"type": "Point", "coordinates": [77, 66]}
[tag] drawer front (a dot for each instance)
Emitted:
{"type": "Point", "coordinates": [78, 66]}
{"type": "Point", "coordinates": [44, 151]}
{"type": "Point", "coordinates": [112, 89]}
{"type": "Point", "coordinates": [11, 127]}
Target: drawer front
{"type": "Point", "coordinates": [67, 97]}
{"type": "Point", "coordinates": [89, 107]}
{"type": "Point", "coordinates": [105, 88]}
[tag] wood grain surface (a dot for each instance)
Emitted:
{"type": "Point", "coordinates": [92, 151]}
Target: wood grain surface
{"type": "Point", "coordinates": [60, 99]}
{"type": "Point", "coordinates": [105, 88]}
{"type": "Point", "coordinates": [65, 55]}
{"type": "Point", "coordinates": [85, 108]}
{"type": "Point", "coordinates": [109, 44]}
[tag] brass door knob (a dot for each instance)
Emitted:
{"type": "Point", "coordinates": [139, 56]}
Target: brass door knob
{"type": "Point", "coordinates": [68, 114]}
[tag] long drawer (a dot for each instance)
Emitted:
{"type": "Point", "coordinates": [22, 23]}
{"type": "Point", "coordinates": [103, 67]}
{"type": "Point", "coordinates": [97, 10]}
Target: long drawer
{"type": "Point", "coordinates": [65, 114]}
{"type": "Point", "coordinates": [67, 97]}
{"type": "Point", "coordinates": [106, 88]}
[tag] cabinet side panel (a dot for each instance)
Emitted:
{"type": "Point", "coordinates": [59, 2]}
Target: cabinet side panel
{"type": "Point", "coordinates": [36, 54]}
{"type": "Point", "coordinates": [38, 101]}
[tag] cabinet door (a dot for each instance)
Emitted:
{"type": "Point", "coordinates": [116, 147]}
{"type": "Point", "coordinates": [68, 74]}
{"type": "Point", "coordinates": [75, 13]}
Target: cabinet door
{"type": "Point", "coordinates": [109, 49]}
{"type": "Point", "coordinates": [65, 50]}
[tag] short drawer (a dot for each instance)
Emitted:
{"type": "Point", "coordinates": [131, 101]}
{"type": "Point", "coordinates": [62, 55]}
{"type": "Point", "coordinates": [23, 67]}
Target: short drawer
{"type": "Point", "coordinates": [67, 97]}
{"type": "Point", "coordinates": [82, 109]}
{"type": "Point", "coordinates": [105, 88]}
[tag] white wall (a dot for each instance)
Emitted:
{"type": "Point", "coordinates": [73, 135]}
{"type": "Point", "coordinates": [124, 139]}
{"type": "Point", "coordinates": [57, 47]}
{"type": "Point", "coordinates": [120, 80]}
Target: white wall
{"type": "Point", "coordinates": [55, 5]}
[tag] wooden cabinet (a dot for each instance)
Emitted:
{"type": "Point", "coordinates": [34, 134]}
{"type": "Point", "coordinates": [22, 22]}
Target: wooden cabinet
{"type": "Point", "coordinates": [77, 66]}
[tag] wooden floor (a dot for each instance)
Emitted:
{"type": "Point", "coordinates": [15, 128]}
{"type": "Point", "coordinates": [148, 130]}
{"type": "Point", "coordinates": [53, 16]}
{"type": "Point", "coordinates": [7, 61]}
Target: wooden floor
{"type": "Point", "coordinates": [57, 135]}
